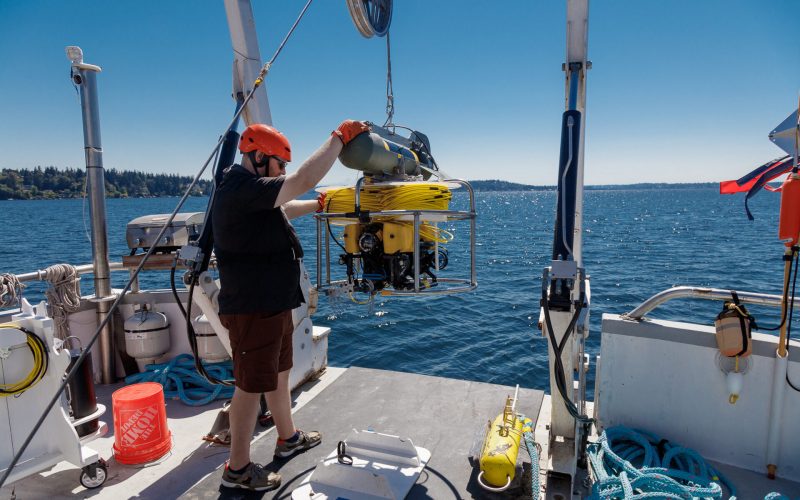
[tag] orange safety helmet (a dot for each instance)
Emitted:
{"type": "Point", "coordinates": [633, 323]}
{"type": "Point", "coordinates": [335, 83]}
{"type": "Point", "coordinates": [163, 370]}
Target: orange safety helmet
{"type": "Point", "coordinates": [268, 140]}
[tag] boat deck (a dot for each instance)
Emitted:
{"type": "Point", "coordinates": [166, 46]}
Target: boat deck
{"type": "Point", "coordinates": [439, 414]}
{"type": "Point", "coordinates": [445, 416]}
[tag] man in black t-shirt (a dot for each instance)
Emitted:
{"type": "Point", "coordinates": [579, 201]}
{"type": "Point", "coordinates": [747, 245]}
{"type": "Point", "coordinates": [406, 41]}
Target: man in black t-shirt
{"type": "Point", "coordinates": [258, 256]}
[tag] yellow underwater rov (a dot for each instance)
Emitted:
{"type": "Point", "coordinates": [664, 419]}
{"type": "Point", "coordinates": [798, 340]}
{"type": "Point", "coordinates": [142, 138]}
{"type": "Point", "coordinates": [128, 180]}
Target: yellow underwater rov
{"type": "Point", "coordinates": [395, 222]}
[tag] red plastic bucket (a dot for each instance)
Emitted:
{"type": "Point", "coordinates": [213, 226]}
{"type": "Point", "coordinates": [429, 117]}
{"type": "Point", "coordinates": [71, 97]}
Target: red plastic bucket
{"type": "Point", "coordinates": [141, 434]}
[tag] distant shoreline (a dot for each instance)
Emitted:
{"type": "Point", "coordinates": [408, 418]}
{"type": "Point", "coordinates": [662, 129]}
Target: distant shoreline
{"type": "Point", "coordinates": [53, 183]}
{"type": "Point", "coordinates": [478, 186]}
{"type": "Point", "coordinates": [497, 185]}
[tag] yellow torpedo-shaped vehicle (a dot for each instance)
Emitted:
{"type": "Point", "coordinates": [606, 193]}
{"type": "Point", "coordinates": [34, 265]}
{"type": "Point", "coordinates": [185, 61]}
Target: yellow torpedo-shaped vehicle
{"type": "Point", "coordinates": [498, 460]}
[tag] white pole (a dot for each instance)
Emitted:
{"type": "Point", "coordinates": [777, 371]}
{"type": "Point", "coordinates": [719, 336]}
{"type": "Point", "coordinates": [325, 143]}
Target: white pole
{"type": "Point", "coordinates": [247, 61]}
{"type": "Point", "coordinates": [776, 411]}
{"type": "Point", "coordinates": [577, 50]}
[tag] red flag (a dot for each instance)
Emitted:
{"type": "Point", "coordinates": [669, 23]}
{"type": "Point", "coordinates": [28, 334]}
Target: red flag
{"type": "Point", "coordinates": [733, 187]}
{"type": "Point", "coordinates": [761, 175]}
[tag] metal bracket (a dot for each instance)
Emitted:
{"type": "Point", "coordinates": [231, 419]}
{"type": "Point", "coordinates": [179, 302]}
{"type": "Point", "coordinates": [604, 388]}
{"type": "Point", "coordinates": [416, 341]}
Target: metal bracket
{"type": "Point", "coordinates": [564, 269]}
{"type": "Point", "coordinates": [190, 253]}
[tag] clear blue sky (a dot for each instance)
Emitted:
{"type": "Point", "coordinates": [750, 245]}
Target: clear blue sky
{"type": "Point", "coordinates": [680, 91]}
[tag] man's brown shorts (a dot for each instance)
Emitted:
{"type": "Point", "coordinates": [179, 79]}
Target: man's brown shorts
{"type": "Point", "coordinates": [261, 344]}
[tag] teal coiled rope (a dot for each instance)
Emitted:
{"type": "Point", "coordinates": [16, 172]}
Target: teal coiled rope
{"type": "Point", "coordinates": [181, 380]}
{"type": "Point", "coordinates": [629, 464]}
{"type": "Point", "coordinates": [533, 452]}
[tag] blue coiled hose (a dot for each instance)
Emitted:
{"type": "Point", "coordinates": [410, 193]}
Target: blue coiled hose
{"type": "Point", "coordinates": [181, 381]}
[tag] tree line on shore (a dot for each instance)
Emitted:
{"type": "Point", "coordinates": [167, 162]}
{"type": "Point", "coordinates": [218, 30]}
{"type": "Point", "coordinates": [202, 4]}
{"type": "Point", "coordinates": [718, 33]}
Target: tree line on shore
{"type": "Point", "coordinates": [51, 183]}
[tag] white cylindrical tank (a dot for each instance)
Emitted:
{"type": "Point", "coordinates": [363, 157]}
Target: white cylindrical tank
{"type": "Point", "coordinates": [146, 336]}
{"type": "Point", "coordinates": [209, 347]}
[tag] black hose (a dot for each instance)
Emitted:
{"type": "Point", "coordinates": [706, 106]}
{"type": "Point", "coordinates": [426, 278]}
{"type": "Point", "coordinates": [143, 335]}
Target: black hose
{"type": "Point", "coordinates": [558, 349]}
{"type": "Point", "coordinates": [191, 334]}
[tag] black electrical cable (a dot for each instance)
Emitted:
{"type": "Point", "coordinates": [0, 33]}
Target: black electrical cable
{"type": "Point", "coordinates": [191, 334]}
{"type": "Point", "coordinates": [193, 341]}
{"type": "Point", "coordinates": [328, 222]}
{"type": "Point", "coordinates": [791, 314]}
{"type": "Point", "coordinates": [558, 371]}
{"type": "Point", "coordinates": [785, 296]}
{"type": "Point", "coordinates": [558, 349]}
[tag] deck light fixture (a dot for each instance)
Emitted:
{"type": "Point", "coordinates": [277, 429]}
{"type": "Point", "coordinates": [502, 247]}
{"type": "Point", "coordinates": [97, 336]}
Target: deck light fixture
{"type": "Point", "coordinates": [74, 54]}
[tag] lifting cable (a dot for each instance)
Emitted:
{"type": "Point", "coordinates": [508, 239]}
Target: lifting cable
{"type": "Point", "coordinates": [134, 276]}
{"type": "Point", "coordinates": [389, 89]}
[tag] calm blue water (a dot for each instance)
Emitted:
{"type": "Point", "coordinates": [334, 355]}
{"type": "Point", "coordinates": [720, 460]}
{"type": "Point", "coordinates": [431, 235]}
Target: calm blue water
{"type": "Point", "coordinates": [637, 243]}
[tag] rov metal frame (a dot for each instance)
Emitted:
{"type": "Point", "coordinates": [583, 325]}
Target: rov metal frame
{"type": "Point", "coordinates": [457, 285]}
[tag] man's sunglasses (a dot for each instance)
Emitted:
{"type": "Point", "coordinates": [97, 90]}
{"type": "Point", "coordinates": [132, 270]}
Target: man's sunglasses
{"type": "Point", "coordinates": [281, 163]}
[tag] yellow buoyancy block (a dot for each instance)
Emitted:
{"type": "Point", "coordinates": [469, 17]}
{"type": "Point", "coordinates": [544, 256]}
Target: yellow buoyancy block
{"type": "Point", "coordinates": [398, 238]}
{"type": "Point", "coordinates": [498, 460]}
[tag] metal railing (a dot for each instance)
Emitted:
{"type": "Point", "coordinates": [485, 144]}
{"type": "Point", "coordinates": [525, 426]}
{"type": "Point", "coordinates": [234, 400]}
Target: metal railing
{"type": "Point", "coordinates": [682, 292]}
{"type": "Point", "coordinates": [81, 269]}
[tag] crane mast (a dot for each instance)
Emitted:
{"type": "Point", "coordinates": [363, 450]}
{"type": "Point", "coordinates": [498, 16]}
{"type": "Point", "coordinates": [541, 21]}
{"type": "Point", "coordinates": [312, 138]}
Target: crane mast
{"type": "Point", "coordinates": [565, 287]}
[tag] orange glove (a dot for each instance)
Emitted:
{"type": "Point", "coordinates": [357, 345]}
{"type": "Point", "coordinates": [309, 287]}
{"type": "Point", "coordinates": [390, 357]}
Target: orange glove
{"type": "Point", "coordinates": [321, 201]}
{"type": "Point", "coordinates": [349, 129]}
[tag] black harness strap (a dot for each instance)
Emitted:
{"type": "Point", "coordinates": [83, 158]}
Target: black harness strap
{"type": "Point", "coordinates": [743, 314]}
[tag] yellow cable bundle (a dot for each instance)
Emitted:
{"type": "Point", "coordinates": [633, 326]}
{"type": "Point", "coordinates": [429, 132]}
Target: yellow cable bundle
{"type": "Point", "coordinates": [385, 197]}
{"type": "Point", "coordinates": [417, 196]}
{"type": "Point", "coordinates": [343, 200]}
{"type": "Point", "coordinates": [380, 197]}
{"type": "Point", "coordinates": [39, 353]}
